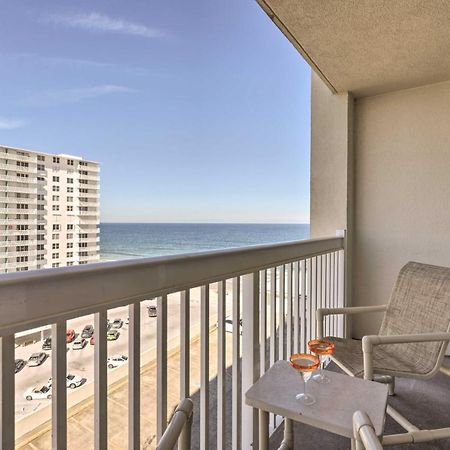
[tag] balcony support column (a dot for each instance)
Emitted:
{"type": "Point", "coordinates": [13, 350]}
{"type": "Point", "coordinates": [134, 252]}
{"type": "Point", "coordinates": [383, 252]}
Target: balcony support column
{"type": "Point", "coordinates": [250, 356]}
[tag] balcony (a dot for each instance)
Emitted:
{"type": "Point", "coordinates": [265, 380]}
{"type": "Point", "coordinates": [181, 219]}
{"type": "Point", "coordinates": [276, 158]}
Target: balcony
{"type": "Point", "coordinates": [16, 168]}
{"type": "Point", "coordinates": [18, 189]}
{"type": "Point", "coordinates": [251, 283]}
{"type": "Point", "coordinates": [14, 157]}
{"type": "Point", "coordinates": [18, 211]}
{"type": "Point", "coordinates": [11, 221]}
{"type": "Point", "coordinates": [95, 178]}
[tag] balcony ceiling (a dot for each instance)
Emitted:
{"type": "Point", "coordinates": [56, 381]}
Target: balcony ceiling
{"type": "Point", "coordinates": [369, 47]}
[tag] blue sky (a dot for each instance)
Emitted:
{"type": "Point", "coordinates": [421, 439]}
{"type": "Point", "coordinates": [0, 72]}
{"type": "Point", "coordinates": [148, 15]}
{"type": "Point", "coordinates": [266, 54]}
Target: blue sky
{"type": "Point", "coordinates": [197, 111]}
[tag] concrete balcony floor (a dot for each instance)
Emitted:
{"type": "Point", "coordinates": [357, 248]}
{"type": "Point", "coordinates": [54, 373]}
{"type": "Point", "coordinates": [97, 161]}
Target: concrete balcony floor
{"type": "Point", "coordinates": [425, 403]}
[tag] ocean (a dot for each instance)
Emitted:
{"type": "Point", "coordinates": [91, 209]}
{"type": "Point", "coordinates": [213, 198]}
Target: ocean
{"type": "Point", "coordinates": [134, 240]}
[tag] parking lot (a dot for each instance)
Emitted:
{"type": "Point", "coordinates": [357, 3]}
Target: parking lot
{"type": "Point", "coordinates": [81, 362]}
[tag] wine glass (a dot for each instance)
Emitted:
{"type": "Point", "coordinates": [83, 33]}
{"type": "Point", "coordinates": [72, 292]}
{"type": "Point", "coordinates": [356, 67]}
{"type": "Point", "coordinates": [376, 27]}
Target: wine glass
{"type": "Point", "coordinates": [323, 349]}
{"type": "Point", "coordinates": [305, 364]}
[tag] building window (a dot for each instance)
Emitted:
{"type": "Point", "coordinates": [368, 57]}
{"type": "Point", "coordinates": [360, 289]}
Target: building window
{"type": "Point", "coordinates": [70, 190]}
{"type": "Point", "coordinates": [56, 227]}
{"type": "Point", "coordinates": [70, 226]}
{"type": "Point", "coordinates": [83, 235]}
{"type": "Point", "coordinates": [56, 159]}
{"type": "Point", "coordinates": [55, 188]}
{"type": "Point", "coordinates": [40, 167]}
{"type": "Point", "coordinates": [41, 158]}
{"type": "Point", "coordinates": [40, 237]}
{"type": "Point", "coordinates": [69, 180]}
{"type": "Point", "coordinates": [55, 236]}
{"type": "Point", "coordinates": [55, 198]}
{"type": "Point", "coordinates": [55, 246]}
{"type": "Point", "coordinates": [56, 179]}
{"type": "Point", "coordinates": [22, 237]}
{"type": "Point", "coordinates": [70, 208]}
{"type": "Point", "coordinates": [40, 197]}
{"type": "Point", "coordinates": [83, 262]}
{"type": "Point", "coordinates": [83, 163]}
{"type": "Point", "coordinates": [83, 253]}
{"type": "Point", "coordinates": [55, 207]}
{"type": "Point", "coordinates": [55, 255]}
{"type": "Point", "coordinates": [20, 259]}
{"type": "Point", "coordinates": [54, 265]}
{"type": "Point", "coordinates": [22, 248]}
{"type": "Point", "coordinates": [69, 235]}
{"type": "Point", "coordinates": [40, 257]}
{"type": "Point", "coordinates": [40, 227]}
{"type": "Point", "coordinates": [69, 254]}
{"type": "Point", "coordinates": [40, 207]}
{"type": "Point", "coordinates": [40, 179]}
{"type": "Point", "coordinates": [70, 162]}
{"type": "Point", "coordinates": [70, 263]}
{"type": "Point", "coordinates": [40, 246]}
{"type": "Point", "coordinates": [21, 269]}
{"type": "Point", "coordinates": [69, 245]}
{"type": "Point", "coordinates": [69, 199]}
{"type": "Point", "coordinates": [22, 227]}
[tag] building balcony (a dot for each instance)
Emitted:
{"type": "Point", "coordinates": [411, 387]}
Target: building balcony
{"type": "Point", "coordinates": [18, 211]}
{"type": "Point", "coordinates": [18, 189]}
{"type": "Point", "coordinates": [227, 282]}
{"type": "Point", "coordinates": [18, 221]}
{"type": "Point", "coordinates": [16, 168]}
{"type": "Point", "coordinates": [95, 178]}
{"type": "Point", "coordinates": [15, 243]}
{"type": "Point", "coordinates": [16, 200]}
{"type": "Point", "coordinates": [15, 179]}
{"type": "Point", "coordinates": [94, 213]}
{"type": "Point", "coordinates": [14, 157]}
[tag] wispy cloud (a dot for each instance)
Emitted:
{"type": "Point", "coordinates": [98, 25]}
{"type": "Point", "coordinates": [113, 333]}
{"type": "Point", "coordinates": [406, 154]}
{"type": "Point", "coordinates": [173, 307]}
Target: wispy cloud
{"type": "Point", "coordinates": [74, 95]}
{"type": "Point", "coordinates": [101, 23]}
{"type": "Point", "coordinates": [66, 62]}
{"type": "Point", "coordinates": [10, 124]}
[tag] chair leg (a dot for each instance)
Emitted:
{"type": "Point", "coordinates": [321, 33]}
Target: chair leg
{"type": "Point", "coordinates": [388, 380]}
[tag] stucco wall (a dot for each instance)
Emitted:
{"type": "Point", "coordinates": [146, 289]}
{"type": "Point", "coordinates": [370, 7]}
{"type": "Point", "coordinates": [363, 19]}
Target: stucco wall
{"type": "Point", "coordinates": [402, 189]}
{"type": "Point", "coordinates": [331, 143]}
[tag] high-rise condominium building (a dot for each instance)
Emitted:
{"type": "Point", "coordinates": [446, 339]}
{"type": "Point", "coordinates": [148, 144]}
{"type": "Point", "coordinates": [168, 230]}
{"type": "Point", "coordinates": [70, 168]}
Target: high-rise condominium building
{"type": "Point", "coordinates": [49, 210]}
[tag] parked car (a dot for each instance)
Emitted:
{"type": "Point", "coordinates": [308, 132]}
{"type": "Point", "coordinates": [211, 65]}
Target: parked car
{"type": "Point", "coordinates": [47, 344]}
{"type": "Point", "coordinates": [87, 332]}
{"type": "Point", "coordinates": [38, 393]}
{"type": "Point", "coordinates": [72, 381]}
{"type": "Point", "coordinates": [19, 365]}
{"type": "Point", "coordinates": [117, 324]}
{"type": "Point", "coordinates": [36, 359]}
{"type": "Point", "coordinates": [112, 335]}
{"type": "Point", "coordinates": [70, 335]}
{"type": "Point", "coordinates": [152, 311]}
{"type": "Point", "coordinates": [79, 343]}
{"type": "Point", "coordinates": [229, 325]}
{"type": "Point", "coordinates": [116, 361]}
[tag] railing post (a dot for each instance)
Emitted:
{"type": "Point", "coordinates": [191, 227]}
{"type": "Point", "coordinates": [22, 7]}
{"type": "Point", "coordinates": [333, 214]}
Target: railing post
{"type": "Point", "coordinates": [250, 355]}
{"type": "Point", "coordinates": [344, 323]}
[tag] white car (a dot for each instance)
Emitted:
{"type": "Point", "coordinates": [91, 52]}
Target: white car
{"type": "Point", "coordinates": [229, 325]}
{"type": "Point", "coordinates": [72, 381]}
{"type": "Point", "coordinates": [79, 343]}
{"type": "Point", "coordinates": [116, 361]}
{"type": "Point", "coordinates": [38, 393]}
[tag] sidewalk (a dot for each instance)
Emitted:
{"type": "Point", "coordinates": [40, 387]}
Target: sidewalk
{"type": "Point", "coordinates": [80, 423]}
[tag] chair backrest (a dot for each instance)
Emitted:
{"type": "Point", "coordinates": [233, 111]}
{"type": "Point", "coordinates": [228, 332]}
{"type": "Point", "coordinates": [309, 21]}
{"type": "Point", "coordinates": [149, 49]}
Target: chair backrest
{"type": "Point", "coordinates": [420, 303]}
{"type": "Point", "coordinates": [179, 428]}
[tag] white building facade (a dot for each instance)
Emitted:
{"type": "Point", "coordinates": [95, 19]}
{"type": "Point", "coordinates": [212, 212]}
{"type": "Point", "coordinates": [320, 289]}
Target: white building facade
{"type": "Point", "coordinates": [49, 210]}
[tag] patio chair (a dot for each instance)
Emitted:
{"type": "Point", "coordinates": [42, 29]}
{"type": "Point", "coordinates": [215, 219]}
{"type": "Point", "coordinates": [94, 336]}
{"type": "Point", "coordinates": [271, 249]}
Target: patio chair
{"type": "Point", "coordinates": [364, 433]}
{"type": "Point", "coordinates": [179, 428]}
{"type": "Point", "coordinates": [412, 340]}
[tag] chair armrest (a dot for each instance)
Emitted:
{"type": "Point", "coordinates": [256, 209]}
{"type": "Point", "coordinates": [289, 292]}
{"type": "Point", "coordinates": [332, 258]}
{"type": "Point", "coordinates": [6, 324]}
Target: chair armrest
{"type": "Point", "coordinates": [368, 342]}
{"type": "Point", "coordinates": [322, 312]}
{"type": "Point", "coordinates": [364, 433]}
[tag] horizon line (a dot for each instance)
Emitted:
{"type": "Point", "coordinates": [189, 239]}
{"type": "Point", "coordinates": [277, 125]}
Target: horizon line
{"type": "Point", "coordinates": [211, 223]}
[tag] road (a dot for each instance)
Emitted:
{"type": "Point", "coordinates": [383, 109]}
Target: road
{"type": "Point", "coordinates": [81, 362]}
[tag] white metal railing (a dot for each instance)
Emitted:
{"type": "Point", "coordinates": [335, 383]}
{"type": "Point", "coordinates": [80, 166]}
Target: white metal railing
{"type": "Point", "coordinates": [90, 177]}
{"type": "Point", "coordinates": [17, 221]}
{"type": "Point", "coordinates": [13, 243]}
{"type": "Point", "coordinates": [15, 200]}
{"type": "Point", "coordinates": [276, 290]}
